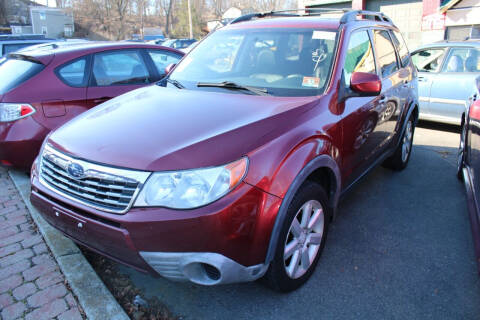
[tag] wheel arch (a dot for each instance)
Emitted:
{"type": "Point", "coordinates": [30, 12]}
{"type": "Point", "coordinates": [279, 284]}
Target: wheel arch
{"type": "Point", "coordinates": [322, 169]}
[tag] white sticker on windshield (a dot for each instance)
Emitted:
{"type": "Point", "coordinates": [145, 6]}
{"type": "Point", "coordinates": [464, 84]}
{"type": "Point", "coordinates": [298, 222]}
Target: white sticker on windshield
{"type": "Point", "coordinates": [324, 35]}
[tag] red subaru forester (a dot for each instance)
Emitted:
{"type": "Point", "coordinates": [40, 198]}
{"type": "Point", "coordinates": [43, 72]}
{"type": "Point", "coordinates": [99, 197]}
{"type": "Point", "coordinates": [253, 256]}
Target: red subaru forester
{"type": "Point", "coordinates": [231, 168]}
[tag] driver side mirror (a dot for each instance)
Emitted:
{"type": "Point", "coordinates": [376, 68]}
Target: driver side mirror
{"type": "Point", "coordinates": [169, 68]}
{"type": "Point", "coordinates": [365, 84]}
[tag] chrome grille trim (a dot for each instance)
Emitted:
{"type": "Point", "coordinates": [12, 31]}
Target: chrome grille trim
{"type": "Point", "coordinates": [101, 187]}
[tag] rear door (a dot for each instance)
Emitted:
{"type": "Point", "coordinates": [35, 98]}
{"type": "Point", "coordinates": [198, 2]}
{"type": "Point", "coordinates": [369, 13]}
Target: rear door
{"type": "Point", "coordinates": [116, 72]}
{"type": "Point", "coordinates": [160, 59]}
{"type": "Point", "coordinates": [428, 63]}
{"type": "Point", "coordinates": [452, 87]}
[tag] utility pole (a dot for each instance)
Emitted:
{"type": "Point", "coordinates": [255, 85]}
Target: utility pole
{"type": "Point", "coordinates": [190, 19]}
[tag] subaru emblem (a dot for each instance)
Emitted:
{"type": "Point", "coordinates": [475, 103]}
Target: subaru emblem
{"type": "Point", "coordinates": [75, 170]}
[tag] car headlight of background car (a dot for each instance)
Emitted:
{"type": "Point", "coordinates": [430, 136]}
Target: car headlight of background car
{"type": "Point", "coordinates": [189, 189]}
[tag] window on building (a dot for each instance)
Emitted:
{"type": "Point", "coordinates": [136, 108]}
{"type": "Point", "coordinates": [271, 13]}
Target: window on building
{"type": "Point", "coordinates": [68, 31]}
{"type": "Point", "coordinates": [44, 30]}
{"type": "Point", "coordinates": [460, 33]}
{"type": "Point", "coordinates": [73, 73]}
{"type": "Point", "coordinates": [42, 15]}
{"type": "Point", "coordinates": [385, 52]}
{"type": "Point", "coordinates": [428, 60]}
{"type": "Point", "coordinates": [462, 60]}
{"type": "Point", "coordinates": [359, 55]}
{"type": "Point", "coordinates": [119, 67]}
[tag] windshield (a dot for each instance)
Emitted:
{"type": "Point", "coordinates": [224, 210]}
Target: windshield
{"type": "Point", "coordinates": [285, 62]}
{"type": "Point", "coordinates": [14, 72]}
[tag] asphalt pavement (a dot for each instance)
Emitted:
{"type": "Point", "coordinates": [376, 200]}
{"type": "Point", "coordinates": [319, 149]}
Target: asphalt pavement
{"type": "Point", "coordinates": [400, 248]}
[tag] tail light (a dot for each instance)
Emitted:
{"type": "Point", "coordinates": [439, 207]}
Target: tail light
{"type": "Point", "coordinates": [475, 110]}
{"type": "Point", "coordinates": [14, 111]}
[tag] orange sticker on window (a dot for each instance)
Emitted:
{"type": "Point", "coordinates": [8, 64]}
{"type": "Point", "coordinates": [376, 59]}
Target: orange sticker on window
{"type": "Point", "coordinates": [312, 82]}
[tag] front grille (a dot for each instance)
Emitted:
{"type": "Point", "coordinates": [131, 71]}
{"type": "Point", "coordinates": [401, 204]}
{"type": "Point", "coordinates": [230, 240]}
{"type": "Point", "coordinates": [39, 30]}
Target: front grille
{"type": "Point", "coordinates": [101, 187]}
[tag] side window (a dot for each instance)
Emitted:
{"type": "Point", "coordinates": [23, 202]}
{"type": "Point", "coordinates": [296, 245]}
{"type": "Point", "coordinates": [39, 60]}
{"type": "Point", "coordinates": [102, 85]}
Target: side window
{"type": "Point", "coordinates": [401, 47]}
{"type": "Point", "coordinates": [359, 55]}
{"type": "Point", "coordinates": [428, 60]}
{"type": "Point", "coordinates": [386, 57]}
{"type": "Point", "coordinates": [162, 59]}
{"type": "Point", "coordinates": [73, 73]}
{"type": "Point", "coordinates": [462, 60]}
{"type": "Point", "coordinates": [119, 67]}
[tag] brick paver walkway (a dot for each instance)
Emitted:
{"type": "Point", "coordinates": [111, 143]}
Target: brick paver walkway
{"type": "Point", "coordinates": [31, 284]}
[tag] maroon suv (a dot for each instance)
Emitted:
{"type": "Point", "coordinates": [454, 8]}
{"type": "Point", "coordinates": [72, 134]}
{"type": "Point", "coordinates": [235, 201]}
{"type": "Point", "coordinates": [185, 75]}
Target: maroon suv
{"type": "Point", "coordinates": [43, 88]}
{"type": "Point", "coordinates": [231, 168]}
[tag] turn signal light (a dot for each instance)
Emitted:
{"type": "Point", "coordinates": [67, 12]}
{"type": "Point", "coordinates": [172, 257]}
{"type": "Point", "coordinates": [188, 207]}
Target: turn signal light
{"type": "Point", "coordinates": [14, 111]}
{"type": "Point", "coordinates": [475, 110]}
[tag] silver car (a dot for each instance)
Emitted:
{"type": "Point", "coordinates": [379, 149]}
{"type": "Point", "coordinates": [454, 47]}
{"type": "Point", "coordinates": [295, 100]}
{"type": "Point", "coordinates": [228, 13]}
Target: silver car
{"type": "Point", "coordinates": [446, 78]}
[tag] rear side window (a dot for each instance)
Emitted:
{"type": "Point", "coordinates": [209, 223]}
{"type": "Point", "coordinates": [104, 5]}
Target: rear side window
{"type": "Point", "coordinates": [401, 47]}
{"type": "Point", "coordinates": [463, 60]}
{"type": "Point", "coordinates": [119, 68]}
{"type": "Point", "coordinates": [73, 73]}
{"type": "Point", "coordinates": [14, 72]}
{"type": "Point", "coordinates": [385, 52]}
{"type": "Point", "coordinates": [359, 56]}
{"type": "Point", "coordinates": [162, 59]}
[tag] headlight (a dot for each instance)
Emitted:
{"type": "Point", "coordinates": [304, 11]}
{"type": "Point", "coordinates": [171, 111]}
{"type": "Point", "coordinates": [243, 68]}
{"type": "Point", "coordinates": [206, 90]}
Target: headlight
{"type": "Point", "coordinates": [189, 189]}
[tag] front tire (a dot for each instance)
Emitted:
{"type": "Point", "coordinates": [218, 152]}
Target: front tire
{"type": "Point", "coordinates": [399, 160]}
{"type": "Point", "coordinates": [302, 239]}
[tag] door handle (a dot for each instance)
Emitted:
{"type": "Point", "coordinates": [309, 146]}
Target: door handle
{"type": "Point", "coordinates": [102, 99]}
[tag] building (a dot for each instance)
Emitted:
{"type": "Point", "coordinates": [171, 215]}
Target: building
{"type": "Point", "coordinates": [27, 17]}
{"type": "Point", "coordinates": [52, 22]}
{"type": "Point", "coordinates": [420, 21]}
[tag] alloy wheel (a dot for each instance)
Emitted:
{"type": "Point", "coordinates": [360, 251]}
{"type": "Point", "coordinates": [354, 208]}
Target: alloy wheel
{"type": "Point", "coordinates": [407, 141]}
{"type": "Point", "coordinates": [303, 239]}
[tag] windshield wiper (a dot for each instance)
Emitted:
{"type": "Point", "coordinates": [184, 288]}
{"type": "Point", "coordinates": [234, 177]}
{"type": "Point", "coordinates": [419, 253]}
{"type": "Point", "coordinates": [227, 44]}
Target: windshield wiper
{"type": "Point", "coordinates": [234, 86]}
{"type": "Point", "coordinates": [175, 83]}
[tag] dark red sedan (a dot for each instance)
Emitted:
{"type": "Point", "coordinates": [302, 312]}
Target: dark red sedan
{"type": "Point", "coordinates": [42, 89]}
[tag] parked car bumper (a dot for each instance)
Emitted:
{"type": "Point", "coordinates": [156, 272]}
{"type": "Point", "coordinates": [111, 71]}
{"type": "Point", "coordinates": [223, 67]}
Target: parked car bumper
{"type": "Point", "coordinates": [20, 142]}
{"type": "Point", "coordinates": [223, 242]}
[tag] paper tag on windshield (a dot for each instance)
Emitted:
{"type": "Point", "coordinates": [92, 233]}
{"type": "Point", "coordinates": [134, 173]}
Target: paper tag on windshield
{"type": "Point", "coordinates": [323, 35]}
{"type": "Point", "coordinates": [312, 82]}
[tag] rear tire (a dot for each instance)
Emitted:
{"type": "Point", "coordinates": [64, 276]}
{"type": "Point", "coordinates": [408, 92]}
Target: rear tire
{"type": "Point", "coordinates": [302, 239]}
{"type": "Point", "coordinates": [399, 160]}
{"type": "Point", "coordinates": [461, 150]}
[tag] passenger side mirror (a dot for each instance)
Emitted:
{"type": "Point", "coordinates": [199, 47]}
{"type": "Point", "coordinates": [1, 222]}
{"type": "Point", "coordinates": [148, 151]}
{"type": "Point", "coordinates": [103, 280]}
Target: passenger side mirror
{"type": "Point", "coordinates": [365, 84]}
{"type": "Point", "coordinates": [169, 68]}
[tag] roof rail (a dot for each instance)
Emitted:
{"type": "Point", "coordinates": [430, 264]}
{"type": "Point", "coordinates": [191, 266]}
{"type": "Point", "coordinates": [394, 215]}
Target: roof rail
{"type": "Point", "coordinates": [348, 14]}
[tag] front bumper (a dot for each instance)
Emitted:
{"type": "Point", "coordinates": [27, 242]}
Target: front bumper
{"type": "Point", "coordinates": [223, 242]}
{"type": "Point", "coordinates": [20, 141]}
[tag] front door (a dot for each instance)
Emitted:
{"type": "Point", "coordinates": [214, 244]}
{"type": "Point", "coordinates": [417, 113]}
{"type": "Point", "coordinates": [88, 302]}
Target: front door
{"type": "Point", "coordinates": [428, 63]}
{"type": "Point", "coordinates": [360, 114]}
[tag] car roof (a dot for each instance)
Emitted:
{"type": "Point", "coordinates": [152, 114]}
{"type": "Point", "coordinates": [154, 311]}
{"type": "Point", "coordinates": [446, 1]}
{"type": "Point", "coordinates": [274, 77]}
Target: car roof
{"type": "Point", "coordinates": [44, 54]}
{"type": "Point", "coordinates": [446, 43]}
{"type": "Point", "coordinates": [25, 41]}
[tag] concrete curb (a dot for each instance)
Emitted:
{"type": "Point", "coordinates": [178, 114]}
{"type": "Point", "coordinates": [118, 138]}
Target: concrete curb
{"type": "Point", "coordinates": [93, 296]}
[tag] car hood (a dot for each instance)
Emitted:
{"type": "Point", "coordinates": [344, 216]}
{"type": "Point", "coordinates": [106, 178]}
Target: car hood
{"type": "Point", "coordinates": [156, 128]}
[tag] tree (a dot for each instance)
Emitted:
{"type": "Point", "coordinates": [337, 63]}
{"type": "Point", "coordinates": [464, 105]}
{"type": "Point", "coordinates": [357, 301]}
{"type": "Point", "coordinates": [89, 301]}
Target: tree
{"type": "Point", "coordinates": [3, 13]}
{"type": "Point", "coordinates": [167, 8]}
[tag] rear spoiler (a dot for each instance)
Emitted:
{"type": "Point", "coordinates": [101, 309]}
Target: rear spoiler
{"type": "Point", "coordinates": [44, 59]}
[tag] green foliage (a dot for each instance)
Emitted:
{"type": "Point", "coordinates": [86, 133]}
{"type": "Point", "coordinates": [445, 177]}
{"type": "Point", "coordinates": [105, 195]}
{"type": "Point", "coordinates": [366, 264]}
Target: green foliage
{"type": "Point", "coordinates": [181, 27]}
